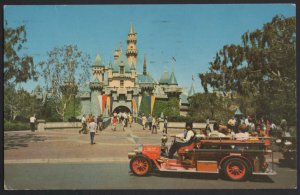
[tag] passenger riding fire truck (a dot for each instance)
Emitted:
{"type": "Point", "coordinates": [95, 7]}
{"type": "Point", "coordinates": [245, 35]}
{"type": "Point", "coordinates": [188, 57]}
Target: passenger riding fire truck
{"type": "Point", "coordinates": [235, 159]}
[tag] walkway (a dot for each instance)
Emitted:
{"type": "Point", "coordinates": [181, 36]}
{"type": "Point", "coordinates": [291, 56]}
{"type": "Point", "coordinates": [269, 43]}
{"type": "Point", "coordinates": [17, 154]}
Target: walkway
{"type": "Point", "coordinates": [67, 145]}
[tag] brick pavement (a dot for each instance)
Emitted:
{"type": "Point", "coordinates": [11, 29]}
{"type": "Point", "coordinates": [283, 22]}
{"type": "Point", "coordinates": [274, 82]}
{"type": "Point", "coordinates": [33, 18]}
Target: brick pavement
{"type": "Point", "coordinates": [67, 145]}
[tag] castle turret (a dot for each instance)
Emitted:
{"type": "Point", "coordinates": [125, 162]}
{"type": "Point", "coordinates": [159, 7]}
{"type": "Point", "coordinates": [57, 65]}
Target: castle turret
{"type": "Point", "coordinates": [172, 79]}
{"type": "Point", "coordinates": [98, 68]}
{"type": "Point", "coordinates": [131, 51]}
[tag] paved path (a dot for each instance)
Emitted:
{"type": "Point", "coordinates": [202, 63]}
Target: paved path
{"type": "Point", "coordinates": [67, 145]}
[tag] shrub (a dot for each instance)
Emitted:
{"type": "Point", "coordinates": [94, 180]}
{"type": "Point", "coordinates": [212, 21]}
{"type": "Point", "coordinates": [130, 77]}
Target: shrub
{"type": "Point", "coordinates": [15, 126]}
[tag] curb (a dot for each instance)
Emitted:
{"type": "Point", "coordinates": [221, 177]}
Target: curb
{"type": "Point", "coordinates": [70, 160]}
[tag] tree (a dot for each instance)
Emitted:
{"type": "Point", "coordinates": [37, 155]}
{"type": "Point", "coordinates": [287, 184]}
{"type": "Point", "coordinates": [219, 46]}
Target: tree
{"type": "Point", "coordinates": [19, 104]}
{"type": "Point", "coordinates": [64, 71]}
{"type": "Point", "coordinates": [169, 107]}
{"type": "Point", "coordinates": [17, 68]}
{"type": "Point", "coordinates": [203, 105]}
{"type": "Point", "coordinates": [261, 68]}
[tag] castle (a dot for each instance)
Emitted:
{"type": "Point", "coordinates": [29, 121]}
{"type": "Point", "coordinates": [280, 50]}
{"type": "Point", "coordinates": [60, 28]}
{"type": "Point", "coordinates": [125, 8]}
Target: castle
{"type": "Point", "coordinates": [118, 87]}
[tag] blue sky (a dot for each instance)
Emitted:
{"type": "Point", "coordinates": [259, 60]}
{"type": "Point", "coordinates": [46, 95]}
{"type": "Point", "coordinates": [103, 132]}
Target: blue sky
{"type": "Point", "coordinates": [190, 33]}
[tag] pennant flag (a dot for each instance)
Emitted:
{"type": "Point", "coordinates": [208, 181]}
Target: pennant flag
{"type": "Point", "coordinates": [152, 103]}
{"type": "Point", "coordinates": [136, 98]}
{"type": "Point", "coordinates": [108, 104]}
{"type": "Point", "coordinates": [140, 100]}
{"type": "Point", "coordinates": [133, 105]}
{"type": "Point", "coordinates": [148, 100]}
{"type": "Point", "coordinates": [104, 98]}
{"type": "Point", "coordinates": [111, 103]}
{"type": "Point", "coordinates": [100, 103]}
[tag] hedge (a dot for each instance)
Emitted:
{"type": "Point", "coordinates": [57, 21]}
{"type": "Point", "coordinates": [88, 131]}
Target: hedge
{"type": "Point", "coordinates": [15, 126]}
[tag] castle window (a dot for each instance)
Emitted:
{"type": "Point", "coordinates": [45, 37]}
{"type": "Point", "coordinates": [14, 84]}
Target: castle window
{"type": "Point", "coordinates": [122, 70]}
{"type": "Point", "coordinates": [121, 83]}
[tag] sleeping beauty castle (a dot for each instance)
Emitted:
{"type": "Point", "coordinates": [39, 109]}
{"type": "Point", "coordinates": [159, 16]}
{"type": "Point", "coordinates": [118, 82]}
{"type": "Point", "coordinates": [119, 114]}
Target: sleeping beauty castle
{"type": "Point", "coordinates": [118, 87]}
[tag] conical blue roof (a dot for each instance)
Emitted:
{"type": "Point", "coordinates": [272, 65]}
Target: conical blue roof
{"type": "Point", "coordinates": [172, 79]}
{"type": "Point", "coordinates": [121, 61]}
{"type": "Point", "coordinates": [164, 78]}
{"type": "Point", "coordinates": [96, 80]}
{"type": "Point", "coordinates": [98, 61]}
{"type": "Point", "coordinates": [145, 78]}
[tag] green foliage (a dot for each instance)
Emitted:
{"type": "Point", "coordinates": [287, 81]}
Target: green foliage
{"type": "Point", "coordinates": [209, 105]}
{"type": "Point", "coordinates": [73, 109]}
{"type": "Point", "coordinates": [17, 68]}
{"type": "Point", "coordinates": [261, 70]}
{"type": "Point", "coordinates": [15, 126]}
{"type": "Point", "coordinates": [48, 111]}
{"type": "Point", "coordinates": [144, 107]}
{"type": "Point", "coordinates": [64, 71]}
{"type": "Point", "coordinates": [169, 107]}
{"type": "Point", "coordinates": [19, 104]}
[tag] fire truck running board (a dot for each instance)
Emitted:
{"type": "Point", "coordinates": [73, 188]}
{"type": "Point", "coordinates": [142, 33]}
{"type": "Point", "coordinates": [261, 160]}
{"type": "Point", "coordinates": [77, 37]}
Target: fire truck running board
{"type": "Point", "coordinates": [186, 171]}
{"type": "Point", "coordinates": [266, 173]}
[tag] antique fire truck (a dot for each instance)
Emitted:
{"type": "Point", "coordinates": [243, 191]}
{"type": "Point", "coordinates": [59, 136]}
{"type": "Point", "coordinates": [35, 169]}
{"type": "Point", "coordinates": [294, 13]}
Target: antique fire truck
{"type": "Point", "coordinates": [235, 159]}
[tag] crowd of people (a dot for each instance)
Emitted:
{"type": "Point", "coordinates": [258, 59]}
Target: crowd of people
{"type": "Point", "coordinates": [240, 128]}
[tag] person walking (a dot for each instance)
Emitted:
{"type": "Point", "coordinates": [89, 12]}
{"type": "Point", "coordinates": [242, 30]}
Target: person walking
{"type": "Point", "coordinates": [83, 123]}
{"type": "Point", "coordinates": [165, 130]}
{"type": "Point", "coordinates": [144, 121]}
{"type": "Point", "coordinates": [32, 121]}
{"type": "Point", "coordinates": [92, 127]}
{"type": "Point", "coordinates": [123, 121]}
{"type": "Point", "coordinates": [154, 125]}
{"type": "Point", "coordinates": [114, 121]}
{"type": "Point", "coordinates": [150, 122]}
{"type": "Point", "coordinates": [126, 119]}
{"type": "Point", "coordinates": [130, 120]}
{"type": "Point", "coordinates": [99, 122]}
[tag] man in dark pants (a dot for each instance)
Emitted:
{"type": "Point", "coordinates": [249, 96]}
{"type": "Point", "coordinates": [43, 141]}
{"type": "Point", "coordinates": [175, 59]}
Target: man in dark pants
{"type": "Point", "coordinates": [83, 122]}
{"type": "Point", "coordinates": [186, 138]}
{"type": "Point", "coordinates": [150, 122]}
{"type": "Point", "coordinates": [32, 123]}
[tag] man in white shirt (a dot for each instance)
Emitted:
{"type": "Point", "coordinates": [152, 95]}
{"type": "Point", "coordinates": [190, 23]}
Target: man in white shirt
{"type": "Point", "coordinates": [92, 127]}
{"type": "Point", "coordinates": [186, 139]}
{"type": "Point", "coordinates": [83, 122]}
{"type": "Point", "coordinates": [32, 123]}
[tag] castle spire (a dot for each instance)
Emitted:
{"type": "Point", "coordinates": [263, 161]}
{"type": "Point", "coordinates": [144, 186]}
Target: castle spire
{"type": "Point", "coordinates": [131, 30]}
{"type": "Point", "coordinates": [192, 90]}
{"type": "Point", "coordinates": [131, 51]}
{"type": "Point", "coordinates": [145, 66]}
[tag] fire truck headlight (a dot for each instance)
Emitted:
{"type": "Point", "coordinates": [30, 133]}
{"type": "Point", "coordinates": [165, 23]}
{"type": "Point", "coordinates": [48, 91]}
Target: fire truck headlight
{"type": "Point", "coordinates": [287, 143]}
{"type": "Point", "coordinates": [278, 141]}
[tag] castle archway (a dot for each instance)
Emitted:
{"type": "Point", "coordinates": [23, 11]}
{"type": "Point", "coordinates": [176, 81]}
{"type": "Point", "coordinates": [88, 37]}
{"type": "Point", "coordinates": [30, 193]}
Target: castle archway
{"type": "Point", "coordinates": [122, 109]}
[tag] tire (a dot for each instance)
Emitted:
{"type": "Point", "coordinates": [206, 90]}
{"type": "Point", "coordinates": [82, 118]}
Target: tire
{"type": "Point", "coordinates": [140, 165]}
{"type": "Point", "coordinates": [236, 169]}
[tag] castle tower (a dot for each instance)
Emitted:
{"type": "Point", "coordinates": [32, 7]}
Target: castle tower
{"type": "Point", "coordinates": [131, 51]}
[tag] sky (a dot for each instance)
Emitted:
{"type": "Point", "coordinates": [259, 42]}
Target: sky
{"type": "Point", "coordinates": [191, 33]}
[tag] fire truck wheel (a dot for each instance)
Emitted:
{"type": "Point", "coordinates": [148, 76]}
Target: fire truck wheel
{"type": "Point", "coordinates": [140, 165]}
{"type": "Point", "coordinates": [235, 169]}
